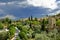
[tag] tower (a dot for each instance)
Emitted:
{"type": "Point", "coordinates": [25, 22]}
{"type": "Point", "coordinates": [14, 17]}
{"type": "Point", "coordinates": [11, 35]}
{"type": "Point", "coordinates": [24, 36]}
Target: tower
{"type": "Point", "coordinates": [51, 23]}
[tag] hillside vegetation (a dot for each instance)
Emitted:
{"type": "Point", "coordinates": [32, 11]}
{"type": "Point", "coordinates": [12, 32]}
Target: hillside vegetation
{"type": "Point", "coordinates": [47, 28]}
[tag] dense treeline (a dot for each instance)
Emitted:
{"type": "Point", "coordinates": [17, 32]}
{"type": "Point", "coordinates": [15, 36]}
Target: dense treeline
{"type": "Point", "coordinates": [30, 29]}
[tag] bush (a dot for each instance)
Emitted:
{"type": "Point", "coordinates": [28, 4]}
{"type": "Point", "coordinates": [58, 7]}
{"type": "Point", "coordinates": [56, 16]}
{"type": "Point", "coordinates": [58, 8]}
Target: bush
{"type": "Point", "coordinates": [17, 38]}
{"type": "Point", "coordinates": [58, 22]}
{"type": "Point", "coordinates": [12, 30]}
{"type": "Point", "coordinates": [23, 36]}
{"type": "Point", "coordinates": [1, 26]}
{"type": "Point", "coordinates": [33, 35]}
{"type": "Point", "coordinates": [3, 36]}
{"type": "Point", "coordinates": [53, 35]}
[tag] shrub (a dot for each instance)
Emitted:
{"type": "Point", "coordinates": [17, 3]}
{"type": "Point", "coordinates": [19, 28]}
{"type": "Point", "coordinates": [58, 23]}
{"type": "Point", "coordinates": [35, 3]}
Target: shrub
{"type": "Point", "coordinates": [23, 36]}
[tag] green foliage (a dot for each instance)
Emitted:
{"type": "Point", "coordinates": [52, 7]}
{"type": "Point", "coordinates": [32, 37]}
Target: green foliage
{"type": "Point", "coordinates": [1, 26]}
{"type": "Point", "coordinates": [3, 36]}
{"type": "Point", "coordinates": [41, 36]}
{"type": "Point", "coordinates": [23, 28]}
{"type": "Point", "coordinates": [35, 22]}
{"type": "Point", "coordinates": [17, 38]}
{"type": "Point", "coordinates": [7, 20]}
{"type": "Point", "coordinates": [23, 36]}
{"type": "Point", "coordinates": [12, 30]}
{"type": "Point", "coordinates": [33, 35]}
{"type": "Point", "coordinates": [27, 22]}
{"type": "Point", "coordinates": [43, 25]}
{"type": "Point", "coordinates": [52, 35]}
{"type": "Point", "coordinates": [58, 22]}
{"type": "Point", "coordinates": [19, 27]}
{"type": "Point", "coordinates": [58, 36]}
{"type": "Point", "coordinates": [29, 29]}
{"type": "Point", "coordinates": [23, 32]}
{"type": "Point", "coordinates": [35, 19]}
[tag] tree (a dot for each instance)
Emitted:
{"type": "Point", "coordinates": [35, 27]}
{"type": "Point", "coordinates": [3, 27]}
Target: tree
{"type": "Point", "coordinates": [17, 38]}
{"type": "Point", "coordinates": [33, 35]}
{"type": "Point", "coordinates": [19, 27]}
{"type": "Point", "coordinates": [23, 36]}
{"type": "Point", "coordinates": [1, 26]}
{"type": "Point", "coordinates": [12, 31]}
{"type": "Point", "coordinates": [6, 19]}
{"type": "Point", "coordinates": [43, 25]}
{"type": "Point", "coordinates": [8, 35]}
{"type": "Point", "coordinates": [3, 35]}
{"type": "Point", "coordinates": [58, 22]}
{"type": "Point", "coordinates": [58, 36]}
{"type": "Point", "coordinates": [31, 18]}
{"type": "Point", "coordinates": [35, 19]}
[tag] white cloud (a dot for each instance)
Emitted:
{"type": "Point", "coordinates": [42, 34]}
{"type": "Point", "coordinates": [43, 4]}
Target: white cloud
{"type": "Point", "coordinates": [51, 4]}
{"type": "Point", "coordinates": [13, 2]}
{"type": "Point", "coordinates": [43, 3]}
{"type": "Point", "coordinates": [54, 13]}
{"type": "Point", "coordinates": [1, 3]}
{"type": "Point", "coordinates": [8, 16]}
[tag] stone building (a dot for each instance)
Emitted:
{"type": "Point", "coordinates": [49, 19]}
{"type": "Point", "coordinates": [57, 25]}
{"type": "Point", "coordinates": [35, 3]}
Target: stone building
{"type": "Point", "coordinates": [51, 22]}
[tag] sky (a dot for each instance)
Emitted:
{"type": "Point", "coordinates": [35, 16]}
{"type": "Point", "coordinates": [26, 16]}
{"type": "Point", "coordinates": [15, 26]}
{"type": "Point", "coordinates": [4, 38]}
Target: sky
{"type": "Point", "coordinates": [16, 9]}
